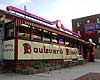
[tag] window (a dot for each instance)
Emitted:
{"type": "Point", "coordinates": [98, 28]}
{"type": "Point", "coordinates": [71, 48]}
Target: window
{"type": "Point", "coordinates": [36, 34]}
{"type": "Point", "coordinates": [99, 40]}
{"type": "Point", "coordinates": [67, 41]}
{"type": "Point", "coordinates": [61, 39]}
{"type": "Point", "coordinates": [9, 31]}
{"type": "Point", "coordinates": [54, 38]}
{"type": "Point", "coordinates": [88, 21]}
{"type": "Point", "coordinates": [98, 20]}
{"type": "Point", "coordinates": [71, 43]}
{"type": "Point", "coordinates": [24, 31]}
{"type": "Point", "coordinates": [46, 36]}
{"type": "Point", "coordinates": [78, 32]}
{"type": "Point", "coordinates": [98, 31]}
{"type": "Point", "coordinates": [78, 24]}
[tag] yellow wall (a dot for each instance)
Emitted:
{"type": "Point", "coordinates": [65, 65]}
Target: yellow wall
{"type": "Point", "coordinates": [39, 55]}
{"type": "Point", "coordinates": [50, 51]}
{"type": "Point", "coordinates": [29, 50]}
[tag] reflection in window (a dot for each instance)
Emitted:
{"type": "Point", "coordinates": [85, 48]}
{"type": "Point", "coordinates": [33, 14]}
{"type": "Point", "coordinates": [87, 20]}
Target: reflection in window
{"type": "Point", "coordinates": [98, 31]}
{"type": "Point", "coordinates": [46, 36]}
{"type": "Point", "coordinates": [98, 20]}
{"type": "Point", "coordinates": [67, 41]}
{"type": "Point", "coordinates": [78, 32]}
{"type": "Point", "coordinates": [61, 39]}
{"type": "Point", "coordinates": [36, 34]}
{"type": "Point", "coordinates": [78, 24]}
{"type": "Point", "coordinates": [99, 39]}
{"type": "Point", "coordinates": [9, 31]}
{"type": "Point", "coordinates": [24, 31]}
{"type": "Point", "coordinates": [54, 38]}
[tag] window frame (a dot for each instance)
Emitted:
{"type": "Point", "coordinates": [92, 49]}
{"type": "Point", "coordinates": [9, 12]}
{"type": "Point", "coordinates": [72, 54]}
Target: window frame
{"type": "Point", "coordinates": [22, 34]}
{"type": "Point", "coordinates": [45, 36]}
{"type": "Point", "coordinates": [78, 24]}
{"type": "Point", "coordinates": [7, 28]}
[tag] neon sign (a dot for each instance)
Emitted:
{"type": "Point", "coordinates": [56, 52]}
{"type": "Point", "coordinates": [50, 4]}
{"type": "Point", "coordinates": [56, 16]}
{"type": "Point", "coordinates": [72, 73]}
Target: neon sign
{"type": "Point", "coordinates": [57, 22]}
{"type": "Point", "coordinates": [92, 27]}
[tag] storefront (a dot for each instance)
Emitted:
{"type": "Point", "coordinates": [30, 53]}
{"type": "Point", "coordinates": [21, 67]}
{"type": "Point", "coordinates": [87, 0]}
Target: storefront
{"type": "Point", "coordinates": [24, 41]}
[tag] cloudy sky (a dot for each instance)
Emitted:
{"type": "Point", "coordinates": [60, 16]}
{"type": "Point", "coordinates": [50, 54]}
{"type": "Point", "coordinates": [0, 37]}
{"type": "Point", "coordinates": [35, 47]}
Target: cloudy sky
{"type": "Point", "coordinates": [64, 10]}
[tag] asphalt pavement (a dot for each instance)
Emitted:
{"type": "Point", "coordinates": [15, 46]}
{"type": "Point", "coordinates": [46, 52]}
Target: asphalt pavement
{"type": "Point", "coordinates": [70, 73]}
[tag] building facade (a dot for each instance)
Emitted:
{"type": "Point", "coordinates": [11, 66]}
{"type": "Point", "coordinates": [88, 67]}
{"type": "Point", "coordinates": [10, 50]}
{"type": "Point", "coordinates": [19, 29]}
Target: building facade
{"type": "Point", "coordinates": [27, 41]}
{"type": "Point", "coordinates": [88, 27]}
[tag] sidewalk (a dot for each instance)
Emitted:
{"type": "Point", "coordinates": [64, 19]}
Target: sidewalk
{"type": "Point", "coordinates": [63, 74]}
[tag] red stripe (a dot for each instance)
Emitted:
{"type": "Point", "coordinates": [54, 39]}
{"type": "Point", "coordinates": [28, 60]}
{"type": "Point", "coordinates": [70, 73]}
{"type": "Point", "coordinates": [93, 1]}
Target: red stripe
{"type": "Point", "coordinates": [16, 42]}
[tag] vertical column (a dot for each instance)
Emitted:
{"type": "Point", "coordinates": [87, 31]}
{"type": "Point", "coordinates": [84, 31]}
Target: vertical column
{"type": "Point", "coordinates": [2, 25]}
{"type": "Point", "coordinates": [16, 40]}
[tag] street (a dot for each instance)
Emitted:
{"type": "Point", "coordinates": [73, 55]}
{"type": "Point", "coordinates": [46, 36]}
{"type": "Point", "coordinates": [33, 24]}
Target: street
{"type": "Point", "coordinates": [63, 74]}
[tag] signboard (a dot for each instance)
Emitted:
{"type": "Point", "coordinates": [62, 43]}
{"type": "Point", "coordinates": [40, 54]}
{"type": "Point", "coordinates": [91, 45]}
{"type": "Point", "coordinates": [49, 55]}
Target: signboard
{"type": "Point", "coordinates": [9, 50]}
{"type": "Point", "coordinates": [92, 27]}
{"type": "Point", "coordinates": [36, 50]}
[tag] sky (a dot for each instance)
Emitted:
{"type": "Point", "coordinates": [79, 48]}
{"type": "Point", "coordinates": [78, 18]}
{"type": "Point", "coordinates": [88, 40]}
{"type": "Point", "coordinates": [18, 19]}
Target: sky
{"type": "Point", "coordinates": [64, 10]}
